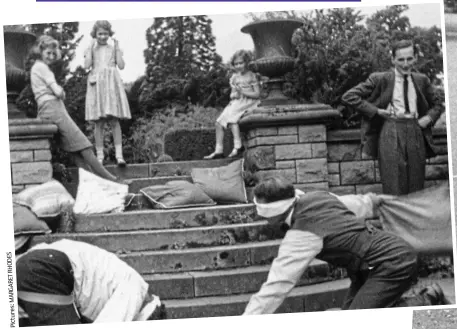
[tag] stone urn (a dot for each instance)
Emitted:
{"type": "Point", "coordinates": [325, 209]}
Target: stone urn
{"type": "Point", "coordinates": [18, 42]}
{"type": "Point", "coordinates": [273, 48]}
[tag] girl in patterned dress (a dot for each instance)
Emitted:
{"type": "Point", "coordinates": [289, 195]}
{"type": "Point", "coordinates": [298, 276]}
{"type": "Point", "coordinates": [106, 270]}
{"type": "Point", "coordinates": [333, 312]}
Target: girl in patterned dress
{"type": "Point", "coordinates": [49, 97]}
{"type": "Point", "coordinates": [106, 100]}
{"type": "Point", "coordinates": [244, 97]}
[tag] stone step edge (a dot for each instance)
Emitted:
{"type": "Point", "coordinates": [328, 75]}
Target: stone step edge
{"type": "Point", "coordinates": [243, 206]}
{"type": "Point", "coordinates": [296, 291]}
{"type": "Point", "coordinates": [234, 281]}
{"type": "Point", "coordinates": [184, 230]}
{"type": "Point", "coordinates": [154, 167]}
{"type": "Point", "coordinates": [318, 297]}
{"type": "Point", "coordinates": [270, 243]}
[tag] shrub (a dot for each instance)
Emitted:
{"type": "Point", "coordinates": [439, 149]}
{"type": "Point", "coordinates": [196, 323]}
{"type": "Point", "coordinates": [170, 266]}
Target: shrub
{"type": "Point", "coordinates": [145, 142]}
{"type": "Point", "coordinates": [194, 144]}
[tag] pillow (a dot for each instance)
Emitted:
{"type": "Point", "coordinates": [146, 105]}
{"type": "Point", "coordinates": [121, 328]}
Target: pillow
{"type": "Point", "coordinates": [97, 195]}
{"type": "Point", "coordinates": [223, 184]}
{"type": "Point", "coordinates": [26, 222]}
{"type": "Point", "coordinates": [176, 194]}
{"type": "Point", "coordinates": [20, 241]}
{"type": "Point", "coordinates": [46, 200]}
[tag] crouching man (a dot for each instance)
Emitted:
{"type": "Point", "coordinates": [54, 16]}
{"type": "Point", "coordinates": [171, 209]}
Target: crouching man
{"type": "Point", "coordinates": [71, 282]}
{"type": "Point", "coordinates": [381, 266]}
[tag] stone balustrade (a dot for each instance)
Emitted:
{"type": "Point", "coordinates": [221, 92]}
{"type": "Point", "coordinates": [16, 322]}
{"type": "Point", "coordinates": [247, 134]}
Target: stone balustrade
{"type": "Point", "coordinates": [30, 153]}
{"type": "Point", "coordinates": [299, 146]}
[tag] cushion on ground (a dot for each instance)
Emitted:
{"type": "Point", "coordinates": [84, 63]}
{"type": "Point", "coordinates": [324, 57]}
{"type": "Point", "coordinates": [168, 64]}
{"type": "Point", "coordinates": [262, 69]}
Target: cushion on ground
{"type": "Point", "coordinates": [176, 194]}
{"type": "Point", "coordinates": [98, 196]}
{"type": "Point", "coordinates": [223, 184]}
{"type": "Point", "coordinates": [46, 200]}
{"type": "Point", "coordinates": [26, 222]}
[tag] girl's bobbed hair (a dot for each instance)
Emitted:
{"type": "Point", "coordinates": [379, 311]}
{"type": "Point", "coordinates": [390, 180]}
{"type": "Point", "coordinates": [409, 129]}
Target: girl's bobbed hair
{"type": "Point", "coordinates": [44, 42]}
{"type": "Point", "coordinates": [244, 54]}
{"type": "Point", "coordinates": [101, 25]}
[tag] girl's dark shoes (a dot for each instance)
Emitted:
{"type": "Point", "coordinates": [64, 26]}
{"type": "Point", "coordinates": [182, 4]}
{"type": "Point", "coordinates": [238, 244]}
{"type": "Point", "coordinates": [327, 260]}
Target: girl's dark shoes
{"type": "Point", "coordinates": [236, 152]}
{"type": "Point", "coordinates": [214, 156]}
{"type": "Point", "coordinates": [121, 162]}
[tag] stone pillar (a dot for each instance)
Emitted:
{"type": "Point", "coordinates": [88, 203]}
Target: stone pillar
{"type": "Point", "coordinates": [30, 153]}
{"type": "Point", "coordinates": [289, 140]}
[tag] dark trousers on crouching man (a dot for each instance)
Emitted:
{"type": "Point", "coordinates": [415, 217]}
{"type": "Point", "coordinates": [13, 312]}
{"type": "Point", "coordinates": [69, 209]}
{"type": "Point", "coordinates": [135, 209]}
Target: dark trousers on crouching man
{"type": "Point", "coordinates": [387, 270]}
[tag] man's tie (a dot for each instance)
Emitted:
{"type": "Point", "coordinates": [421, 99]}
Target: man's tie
{"type": "Point", "coordinates": [405, 93]}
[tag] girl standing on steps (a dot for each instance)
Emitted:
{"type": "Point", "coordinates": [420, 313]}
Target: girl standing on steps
{"type": "Point", "coordinates": [244, 97]}
{"type": "Point", "coordinates": [49, 97]}
{"type": "Point", "coordinates": [106, 100]}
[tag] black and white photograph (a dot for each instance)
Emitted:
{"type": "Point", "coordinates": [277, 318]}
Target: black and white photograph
{"type": "Point", "coordinates": [442, 318]}
{"type": "Point", "coordinates": [231, 165]}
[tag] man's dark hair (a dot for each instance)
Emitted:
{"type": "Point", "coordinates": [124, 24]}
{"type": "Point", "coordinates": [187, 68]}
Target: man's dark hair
{"type": "Point", "coordinates": [274, 189]}
{"type": "Point", "coordinates": [401, 44]}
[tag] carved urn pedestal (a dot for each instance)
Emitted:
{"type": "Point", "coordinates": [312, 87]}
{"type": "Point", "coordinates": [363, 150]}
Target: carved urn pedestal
{"type": "Point", "coordinates": [284, 137]}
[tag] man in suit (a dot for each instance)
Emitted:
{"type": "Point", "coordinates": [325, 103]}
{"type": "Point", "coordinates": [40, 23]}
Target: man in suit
{"type": "Point", "coordinates": [398, 110]}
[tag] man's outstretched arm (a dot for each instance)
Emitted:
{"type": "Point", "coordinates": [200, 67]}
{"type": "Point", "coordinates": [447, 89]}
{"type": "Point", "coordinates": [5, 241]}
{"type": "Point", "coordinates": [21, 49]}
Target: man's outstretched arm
{"type": "Point", "coordinates": [297, 250]}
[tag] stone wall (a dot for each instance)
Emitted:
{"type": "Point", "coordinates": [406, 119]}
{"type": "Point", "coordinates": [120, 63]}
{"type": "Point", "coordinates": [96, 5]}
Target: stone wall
{"type": "Point", "coordinates": [350, 173]}
{"type": "Point", "coordinates": [30, 155]}
{"type": "Point", "coordinates": [298, 152]}
{"type": "Point", "coordinates": [316, 159]}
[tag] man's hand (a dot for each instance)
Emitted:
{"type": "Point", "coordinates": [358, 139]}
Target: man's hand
{"type": "Point", "coordinates": [425, 121]}
{"type": "Point", "coordinates": [384, 113]}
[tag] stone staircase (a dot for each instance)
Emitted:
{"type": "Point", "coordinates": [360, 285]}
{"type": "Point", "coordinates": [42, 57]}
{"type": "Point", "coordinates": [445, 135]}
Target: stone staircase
{"type": "Point", "coordinates": [202, 262]}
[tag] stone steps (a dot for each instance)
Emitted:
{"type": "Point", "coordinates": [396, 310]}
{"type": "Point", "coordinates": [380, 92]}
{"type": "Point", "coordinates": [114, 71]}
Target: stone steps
{"type": "Point", "coordinates": [166, 219]}
{"type": "Point", "coordinates": [230, 281]}
{"type": "Point", "coordinates": [318, 297]}
{"type": "Point", "coordinates": [202, 259]}
{"type": "Point", "coordinates": [167, 239]}
{"type": "Point", "coordinates": [136, 183]}
{"type": "Point", "coordinates": [144, 170]}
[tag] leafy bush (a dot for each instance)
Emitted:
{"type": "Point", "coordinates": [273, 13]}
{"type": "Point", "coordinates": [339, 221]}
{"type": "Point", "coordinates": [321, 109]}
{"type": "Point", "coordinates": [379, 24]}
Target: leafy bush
{"type": "Point", "coordinates": [145, 142]}
{"type": "Point", "coordinates": [194, 144]}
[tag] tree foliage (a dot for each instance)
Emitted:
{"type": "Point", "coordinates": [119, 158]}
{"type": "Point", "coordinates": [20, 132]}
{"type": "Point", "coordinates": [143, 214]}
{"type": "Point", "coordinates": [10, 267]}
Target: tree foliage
{"type": "Point", "coordinates": [182, 63]}
{"type": "Point", "coordinates": [338, 48]}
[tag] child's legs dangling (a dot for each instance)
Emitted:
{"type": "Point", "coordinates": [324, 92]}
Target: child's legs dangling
{"type": "Point", "coordinates": [97, 168]}
{"type": "Point", "coordinates": [237, 145]}
{"type": "Point", "coordinates": [219, 149]}
{"type": "Point", "coordinates": [219, 138]}
{"type": "Point", "coordinates": [236, 135]}
{"type": "Point", "coordinates": [99, 133]}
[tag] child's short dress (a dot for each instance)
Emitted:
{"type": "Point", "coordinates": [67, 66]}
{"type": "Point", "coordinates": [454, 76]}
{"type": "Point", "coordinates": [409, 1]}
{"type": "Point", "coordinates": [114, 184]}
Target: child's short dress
{"type": "Point", "coordinates": [53, 109]}
{"type": "Point", "coordinates": [105, 95]}
{"type": "Point", "coordinates": [239, 104]}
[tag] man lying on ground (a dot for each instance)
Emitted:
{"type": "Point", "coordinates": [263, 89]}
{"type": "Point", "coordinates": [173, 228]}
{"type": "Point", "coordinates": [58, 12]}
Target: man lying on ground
{"type": "Point", "coordinates": [72, 282]}
{"type": "Point", "coordinates": [380, 265]}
